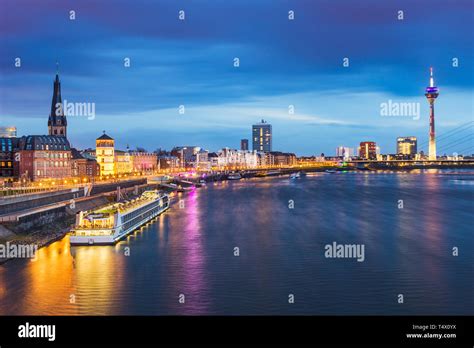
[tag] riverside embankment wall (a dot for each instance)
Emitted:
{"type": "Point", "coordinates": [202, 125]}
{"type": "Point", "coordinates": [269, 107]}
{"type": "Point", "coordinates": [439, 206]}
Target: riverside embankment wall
{"type": "Point", "coordinates": [16, 204]}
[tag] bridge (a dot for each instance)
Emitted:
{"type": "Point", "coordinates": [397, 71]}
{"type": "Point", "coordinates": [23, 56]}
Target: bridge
{"type": "Point", "coordinates": [413, 164]}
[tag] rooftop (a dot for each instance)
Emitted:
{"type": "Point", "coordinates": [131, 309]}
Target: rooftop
{"type": "Point", "coordinates": [104, 137]}
{"type": "Point", "coordinates": [44, 142]}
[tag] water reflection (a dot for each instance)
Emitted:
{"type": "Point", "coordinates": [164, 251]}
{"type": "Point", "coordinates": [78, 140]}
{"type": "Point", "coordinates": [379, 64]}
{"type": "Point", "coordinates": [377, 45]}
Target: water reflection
{"type": "Point", "coordinates": [190, 251]}
{"type": "Point", "coordinates": [194, 265]}
{"type": "Point", "coordinates": [46, 283]}
{"type": "Point", "coordinates": [99, 275]}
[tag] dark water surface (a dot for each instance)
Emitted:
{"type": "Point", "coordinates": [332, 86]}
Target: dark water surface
{"type": "Point", "coordinates": [190, 251]}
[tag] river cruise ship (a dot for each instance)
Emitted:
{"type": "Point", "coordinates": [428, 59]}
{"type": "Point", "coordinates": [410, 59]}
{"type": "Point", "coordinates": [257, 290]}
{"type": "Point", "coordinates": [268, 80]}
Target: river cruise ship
{"type": "Point", "coordinates": [109, 224]}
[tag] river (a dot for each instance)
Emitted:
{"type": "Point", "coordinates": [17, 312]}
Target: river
{"type": "Point", "coordinates": [257, 246]}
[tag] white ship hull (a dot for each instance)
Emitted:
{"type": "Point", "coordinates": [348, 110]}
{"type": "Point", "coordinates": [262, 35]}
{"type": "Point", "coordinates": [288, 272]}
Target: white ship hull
{"type": "Point", "coordinates": [120, 231]}
{"type": "Point", "coordinates": [234, 177]}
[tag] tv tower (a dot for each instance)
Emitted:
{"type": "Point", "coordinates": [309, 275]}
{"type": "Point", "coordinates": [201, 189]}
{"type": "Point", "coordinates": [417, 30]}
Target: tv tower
{"type": "Point", "coordinates": [431, 94]}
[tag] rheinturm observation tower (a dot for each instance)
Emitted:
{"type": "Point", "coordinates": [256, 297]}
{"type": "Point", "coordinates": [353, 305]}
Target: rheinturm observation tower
{"type": "Point", "coordinates": [431, 94]}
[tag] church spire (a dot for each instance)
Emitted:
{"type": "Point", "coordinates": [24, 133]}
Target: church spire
{"type": "Point", "coordinates": [57, 122]}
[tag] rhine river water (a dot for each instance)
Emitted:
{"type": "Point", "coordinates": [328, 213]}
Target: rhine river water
{"type": "Point", "coordinates": [190, 251]}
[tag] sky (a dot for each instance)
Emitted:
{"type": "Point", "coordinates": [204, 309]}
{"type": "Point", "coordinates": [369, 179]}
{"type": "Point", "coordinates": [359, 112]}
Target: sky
{"type": "Point", "coordinates": [283, 62]}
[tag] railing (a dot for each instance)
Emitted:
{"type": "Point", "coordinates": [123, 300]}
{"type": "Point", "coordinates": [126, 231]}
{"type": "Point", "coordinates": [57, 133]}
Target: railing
{"type": "Point", "coordinates": [87, 233]}
{"type": "Point", "coordinates": [91, 227]}
{"type": "Point", "coordinates": [24, 191]}
{"type": "Point", "coordinates": [9, 218]}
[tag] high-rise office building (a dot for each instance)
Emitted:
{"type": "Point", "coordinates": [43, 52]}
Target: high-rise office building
{"type": "Point", "coordinates": [244, 144]}
{"type": "Point", "coordinates": [262, 137]}
{"type": "Point", "coordinates": [406, 145]}
{"type": "Point", "coordinates": [368, 150]}
{"type": "Point", "coordinates": [343, 151]}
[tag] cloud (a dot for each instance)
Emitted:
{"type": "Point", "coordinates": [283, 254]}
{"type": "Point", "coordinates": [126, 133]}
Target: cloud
{"type": "Point", "coordinates": [190, 63]}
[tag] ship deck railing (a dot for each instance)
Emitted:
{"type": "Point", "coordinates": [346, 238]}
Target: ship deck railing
{"type": "Point", "coordinates": [121, 207]}
{"type": "Point", "coordinates": [129, 205]}
{"type": "Point", "coordinates": [107, 227]}
{"type": "Point", "coordinates": [83, 233]}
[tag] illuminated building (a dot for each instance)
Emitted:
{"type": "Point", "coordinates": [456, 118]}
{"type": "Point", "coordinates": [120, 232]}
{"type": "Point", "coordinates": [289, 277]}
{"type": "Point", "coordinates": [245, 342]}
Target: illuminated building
{"type": "Point", "coordinates": [44, 157]}
{"type": "Point", "coordinates": [83, 166]}
{"type": "Point", "coordinates": [202, 160]}
{"type": "Point", "coordinates": [57, 122]}
{"type": "Point", "coordinates": [7, 132]}
{"type": "Point", "coordinates": [261, 159]}
{"type": "Point", "coordinates": [213, 159]}
{"type": "Point", "coordinates": [431, 94]}
{"type": "Point", "coordinates": [192, 157]}
{"type": "Point", "coordinates": [143, 161]}
{"type": "Point", "coordinates": [406, 145]}
{"type": "Point", "coordinates": [118, 162]}
{"type": "Point", "coordinates": [8, 166]}
{"type": "Point", "coordinates": [346, 152]}
{"type": "Point", "coordinates": [368, 150]}
{"type": "Point", "coordinates": [47, 156]}
{"type": "Point", "coordinates": [262, 137]}
{"type": "Point", "coordinates": [236, 158]}
{"type": "Point", "coordinates": [168, 162]}
{"type": "Point", "coordinates": [277, 158]}
{"type": "Point", "coordinates": [123, 162]}
{"type": "Point", "coordinates": [187, 155]}
{"type": "Point", "coordinates": [105, 154]}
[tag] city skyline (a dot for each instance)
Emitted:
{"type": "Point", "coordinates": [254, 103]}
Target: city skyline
{"type": "Point", "coordinates": [333, 105]}
{"type": "Point", "coordinates": [59, 108]}
{"type": "Point", "coordinates": [199, 159]}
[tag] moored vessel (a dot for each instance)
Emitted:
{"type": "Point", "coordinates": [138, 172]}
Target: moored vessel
{"type": "Point", "coordinates": [273, 173]}
{"type": "Point", "coordinates": [295, 175]}
{"type": "Point", "coordinates": [109, 224]}
{"type": "Point", "coordinates": [234, 176]}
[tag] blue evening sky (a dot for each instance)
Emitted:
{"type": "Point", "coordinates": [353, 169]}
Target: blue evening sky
{"type": "Point", "coordinates": [282, 63]}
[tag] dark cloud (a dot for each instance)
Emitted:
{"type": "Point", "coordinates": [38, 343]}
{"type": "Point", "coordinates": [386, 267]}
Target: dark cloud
{"type": "Point", "coordinates": [190, 62]}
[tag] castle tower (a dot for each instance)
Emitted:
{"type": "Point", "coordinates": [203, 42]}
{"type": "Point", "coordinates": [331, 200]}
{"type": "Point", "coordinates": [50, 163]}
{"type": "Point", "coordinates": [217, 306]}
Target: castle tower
{"type": "Point", "coordinates": [105, 154]}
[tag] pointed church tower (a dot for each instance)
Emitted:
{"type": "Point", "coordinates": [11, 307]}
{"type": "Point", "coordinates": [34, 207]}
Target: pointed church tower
{"type": "Point", "coordinates": [57, 122]}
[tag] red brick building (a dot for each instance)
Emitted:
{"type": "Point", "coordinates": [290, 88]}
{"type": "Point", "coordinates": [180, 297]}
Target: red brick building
{"type": "Point", "coordinates": [145, 162]}
{"type": "Point", "coordinates": [368, 150]}
{"type": "Point", "coordinates": [44, 157]}
{"type": "Point", "coordinates": [276, 158]}
{"type": "Point", "coordinates": [83, 166]}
